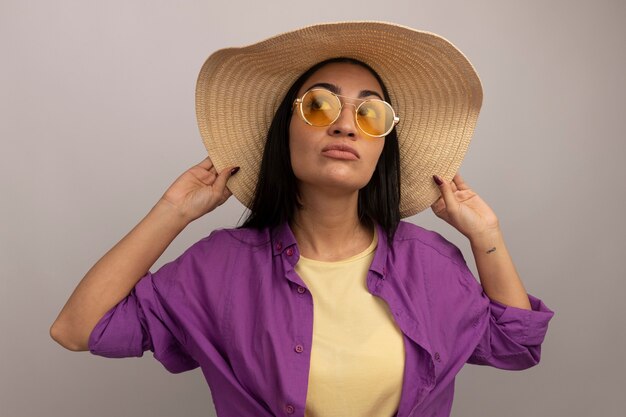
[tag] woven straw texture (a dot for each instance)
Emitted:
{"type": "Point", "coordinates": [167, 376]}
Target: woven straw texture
{"type": "Point", "coordinates": [432, 86]}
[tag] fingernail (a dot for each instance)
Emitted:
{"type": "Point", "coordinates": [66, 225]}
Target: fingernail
{"type": "Point", "coordinates": [234, 171]}
{"type": "Point", "coordinates": [437, 180]}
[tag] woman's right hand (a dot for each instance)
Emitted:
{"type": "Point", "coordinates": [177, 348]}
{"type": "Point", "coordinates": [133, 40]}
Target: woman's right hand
{"type": "Point", "coordinates": [199, 190]}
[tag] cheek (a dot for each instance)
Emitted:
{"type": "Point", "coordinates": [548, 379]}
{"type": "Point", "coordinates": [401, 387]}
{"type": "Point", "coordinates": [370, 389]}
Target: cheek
{"type": "Point", "coordinates": [376, 153]}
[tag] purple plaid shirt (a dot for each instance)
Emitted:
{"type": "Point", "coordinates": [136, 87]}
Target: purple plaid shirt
{"type": "Point", "coordinates": [233, 305]}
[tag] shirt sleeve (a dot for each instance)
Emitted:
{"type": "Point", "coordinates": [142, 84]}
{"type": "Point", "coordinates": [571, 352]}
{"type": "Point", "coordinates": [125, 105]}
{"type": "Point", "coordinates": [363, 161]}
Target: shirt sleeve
{"type": "Point", "coordinates": [144, 320]}
{"type": "Point", "coordinates": [508, 337]}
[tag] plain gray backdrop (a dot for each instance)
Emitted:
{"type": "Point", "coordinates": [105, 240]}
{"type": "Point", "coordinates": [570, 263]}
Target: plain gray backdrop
{"type": "Point", "coordinates": [97, 120]}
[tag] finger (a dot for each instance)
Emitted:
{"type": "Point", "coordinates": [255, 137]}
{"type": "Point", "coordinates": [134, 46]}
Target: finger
{"type": "Point", "coordinates": [206, 163]}
{"type": "Point", "coordinates": [226, 194]}
{"type": "Point", "coordinates": [438, 205]}
{"type": "Point", "coordinates": [448, 196]}
{"type": "Point", "coordinates": [452, 186]}
{"type": "Point", "coordinates": [210, 177]}
{"type": "Point", "coordinates": [212, 173]}
{"type": "Point", "coordinates": [206, 176]}
{"type": "Point", "coordinates": [222, 178]}
{"type": "Point", "coordinates": [463, 195]}
{"type": "Point", "coordinates": [460, 183]}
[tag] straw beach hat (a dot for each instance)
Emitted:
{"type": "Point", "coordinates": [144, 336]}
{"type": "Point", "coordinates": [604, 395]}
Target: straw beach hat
{"type": "Point", "coordinates": [433, 87]}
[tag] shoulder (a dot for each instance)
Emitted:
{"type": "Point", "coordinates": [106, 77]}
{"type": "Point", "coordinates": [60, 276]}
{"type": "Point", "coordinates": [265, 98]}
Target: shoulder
{"type": "Point", "coordinates": [223, 240]}
{"type": "Point", "coordinates": [224, 252]}
{"type": "Point", "coordinates": [427, 243]}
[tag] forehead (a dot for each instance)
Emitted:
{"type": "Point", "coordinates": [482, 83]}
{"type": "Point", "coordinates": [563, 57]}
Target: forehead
{"type": "Point", "coordinates": [350, 78]}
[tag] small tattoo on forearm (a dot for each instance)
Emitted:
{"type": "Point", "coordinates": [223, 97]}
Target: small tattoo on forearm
{"type": "Point", "coordinates": [492, 250]}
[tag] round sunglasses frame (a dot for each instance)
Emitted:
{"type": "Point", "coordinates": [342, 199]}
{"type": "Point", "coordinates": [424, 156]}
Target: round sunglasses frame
{"type": "Point", "coordinates": [298, 102]}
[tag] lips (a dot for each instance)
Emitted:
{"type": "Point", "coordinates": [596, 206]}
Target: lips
{"type": "Point", "coordinates": [341, 147]}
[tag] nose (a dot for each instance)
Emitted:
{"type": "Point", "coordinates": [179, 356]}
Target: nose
{"type": "Point", "coordinates": [345, 125]}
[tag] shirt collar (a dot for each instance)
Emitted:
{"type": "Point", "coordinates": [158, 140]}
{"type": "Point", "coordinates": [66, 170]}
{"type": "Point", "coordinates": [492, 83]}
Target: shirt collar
{"type": "Point", "coordinates": [282, 237]}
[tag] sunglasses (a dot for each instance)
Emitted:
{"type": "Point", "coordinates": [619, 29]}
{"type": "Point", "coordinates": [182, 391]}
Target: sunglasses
{"type": "Point", "coordinates": [321, 107]}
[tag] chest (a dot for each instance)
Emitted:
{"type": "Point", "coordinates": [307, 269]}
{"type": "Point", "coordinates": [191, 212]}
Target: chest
{"type": "Point", "coordinates": [275, 345]}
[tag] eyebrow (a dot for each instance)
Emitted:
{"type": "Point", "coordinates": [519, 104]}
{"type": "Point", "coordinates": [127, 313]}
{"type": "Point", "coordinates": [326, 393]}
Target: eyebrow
{"type": "Point", "coordinates": [337, 90]}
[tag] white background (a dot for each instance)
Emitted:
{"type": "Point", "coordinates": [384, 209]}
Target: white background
{"type": "Point", "coordinates": [97, 119]}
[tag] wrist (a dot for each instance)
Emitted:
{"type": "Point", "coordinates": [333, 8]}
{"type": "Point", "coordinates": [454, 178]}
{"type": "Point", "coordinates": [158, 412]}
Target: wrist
{"type": "Point", "coordinates": [172, 215]}
{"type": "Point", "coordinates": [487, 237]}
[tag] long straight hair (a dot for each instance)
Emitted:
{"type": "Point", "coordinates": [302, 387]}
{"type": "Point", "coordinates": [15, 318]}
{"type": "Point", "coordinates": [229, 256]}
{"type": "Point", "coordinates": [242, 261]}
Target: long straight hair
{"type": "Point", "coordinates": [276, 196]}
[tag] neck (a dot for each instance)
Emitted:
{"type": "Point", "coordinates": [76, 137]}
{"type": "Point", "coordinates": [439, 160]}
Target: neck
{"type": "Point", "coordinates": [327, 227]}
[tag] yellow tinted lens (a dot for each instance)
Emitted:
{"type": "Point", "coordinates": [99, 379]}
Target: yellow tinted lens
{"type": "Point", "coordinates": [375, 117]}
{"type": "Point", "coordinates": [320, 107]}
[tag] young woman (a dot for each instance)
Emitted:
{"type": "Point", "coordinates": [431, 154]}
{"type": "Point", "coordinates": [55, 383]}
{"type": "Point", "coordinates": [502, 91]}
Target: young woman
{"type": "Point", "coordinates": [323, 302]}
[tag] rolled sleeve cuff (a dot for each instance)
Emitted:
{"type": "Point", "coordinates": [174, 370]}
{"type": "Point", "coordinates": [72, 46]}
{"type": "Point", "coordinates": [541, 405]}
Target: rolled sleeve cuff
{"type": "Point", "coordinates": [118, 334]}
{"type": "Point", "coordinates": [527, 327]}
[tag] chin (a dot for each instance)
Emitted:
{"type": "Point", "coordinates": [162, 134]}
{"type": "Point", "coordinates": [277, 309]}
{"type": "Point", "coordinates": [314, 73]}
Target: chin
{"type": "Point", "coordinates": [340, 184]}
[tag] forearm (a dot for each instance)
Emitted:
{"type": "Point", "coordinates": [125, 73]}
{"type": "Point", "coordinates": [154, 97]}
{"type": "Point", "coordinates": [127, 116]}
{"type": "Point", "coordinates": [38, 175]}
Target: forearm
{"type": "Point", "coordinates": [496, 270]}
{"type": "Point", "coordinates": [115, 274]}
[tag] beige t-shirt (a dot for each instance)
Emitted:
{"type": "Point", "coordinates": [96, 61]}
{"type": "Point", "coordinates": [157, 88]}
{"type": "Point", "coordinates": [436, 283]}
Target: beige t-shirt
{"type": "Point", "coordinates": [357, 356]}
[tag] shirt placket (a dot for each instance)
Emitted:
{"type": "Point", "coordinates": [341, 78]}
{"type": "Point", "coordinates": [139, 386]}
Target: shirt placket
{"type": "Point", "coordinates": [419, 370]}
{"type": "Point", "coordinates": [294, 401]}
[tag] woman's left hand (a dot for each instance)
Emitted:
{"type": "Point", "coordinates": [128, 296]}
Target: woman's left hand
{"type": "Point", "coordinates": [463, 209]}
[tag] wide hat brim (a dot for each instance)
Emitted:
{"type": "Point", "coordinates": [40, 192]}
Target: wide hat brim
{"type": "Point", "coordinates": [432, 86]}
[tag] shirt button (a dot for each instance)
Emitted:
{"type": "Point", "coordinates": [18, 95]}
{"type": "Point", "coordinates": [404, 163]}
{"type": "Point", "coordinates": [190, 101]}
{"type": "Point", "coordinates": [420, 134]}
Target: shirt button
{"type": "Point", "coordinates": [301, 289]}
{"type": "Point", "coordinates": [289, 252]}
{"type": "Point", "coordinates": [279, 246]}
{"type": "Point", "coordinates": [299, 348]}
{"type": "Point", "coordinates": [437, 357]}
{"type": "Point", "coordinates": [289, 409]}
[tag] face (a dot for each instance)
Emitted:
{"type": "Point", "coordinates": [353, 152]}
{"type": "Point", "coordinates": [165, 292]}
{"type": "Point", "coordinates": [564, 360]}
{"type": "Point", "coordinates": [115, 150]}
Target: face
{"type": "Point", "coordinates": [315, 166]}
